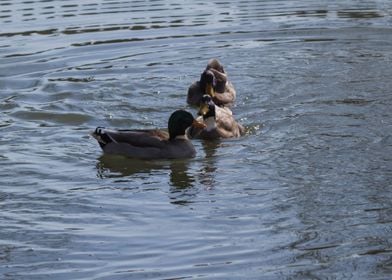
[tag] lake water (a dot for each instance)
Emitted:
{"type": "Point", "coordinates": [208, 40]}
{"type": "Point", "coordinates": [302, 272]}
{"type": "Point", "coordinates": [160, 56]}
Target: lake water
{"type": "Point", "coordinates": [306, 194]}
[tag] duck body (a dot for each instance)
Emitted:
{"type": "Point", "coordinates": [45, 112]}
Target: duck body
{"type": "Point", "coordinates": [220, 122]}
{"type": "Point", "coordinates": [150, 144]}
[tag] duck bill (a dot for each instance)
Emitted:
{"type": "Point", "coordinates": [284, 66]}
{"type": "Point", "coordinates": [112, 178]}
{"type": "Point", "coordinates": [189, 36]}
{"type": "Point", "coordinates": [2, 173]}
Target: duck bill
{"type": "Point", "coordinates": [203, 110]}
{"type": "Point", "coordinates": [210, 90]}
{"type": "Point", "coordinates": [198, 124]}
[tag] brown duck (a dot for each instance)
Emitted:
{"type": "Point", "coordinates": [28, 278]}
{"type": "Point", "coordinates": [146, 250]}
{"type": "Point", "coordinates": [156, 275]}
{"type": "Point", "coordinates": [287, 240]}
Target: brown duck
{"type": "Point", "coordinates": [220, 122]}
{"type": "Point", "coordinates": [214, 82]}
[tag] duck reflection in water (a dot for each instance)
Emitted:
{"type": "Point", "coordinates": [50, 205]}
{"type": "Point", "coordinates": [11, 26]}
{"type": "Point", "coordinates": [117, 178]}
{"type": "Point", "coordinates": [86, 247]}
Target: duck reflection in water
{"type": "Point", "coordinates": [179, 174]}
{"type": "Point", "coordinates": [114, 166]}
{"type": "Point", "coordinates": [184, 185]}
{"type": "Point", "coordinates": [110, 166]}
{"type": "Point", "coordinates": [182, 179]}
{"type": "Point", "coordinates": [208, 170]}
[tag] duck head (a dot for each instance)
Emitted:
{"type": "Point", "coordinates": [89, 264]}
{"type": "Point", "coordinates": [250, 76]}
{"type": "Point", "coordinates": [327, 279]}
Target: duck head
{"type": "Point", "coordinates": [215, 64]}
{"type": "Point", "coordinates": [179, 121]}
{"type": "Point", "coordinates": [208, 83]}
{"type": "Point", "coordinates": [207, 107]}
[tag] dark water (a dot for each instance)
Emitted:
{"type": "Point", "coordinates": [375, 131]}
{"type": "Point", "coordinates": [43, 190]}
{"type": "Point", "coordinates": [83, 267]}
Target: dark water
{"type": "Point", "coordinates": [306, 194]}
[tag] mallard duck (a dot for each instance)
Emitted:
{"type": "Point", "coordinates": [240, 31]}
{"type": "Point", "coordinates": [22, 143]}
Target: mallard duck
{"type": "Point", "coordinates": [151, 144]}
{"type": "Point", "coordinates": [220, 122]}
{"type": "Point", "coordinates": [214, 82]}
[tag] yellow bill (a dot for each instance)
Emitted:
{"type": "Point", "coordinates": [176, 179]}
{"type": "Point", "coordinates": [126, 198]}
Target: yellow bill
{"type": "Point", "coordinates": [203, 110]}
{"type": "Point", "coordinates": [210, 90]}
{"type": "Point", "coordinates": [198, 124]}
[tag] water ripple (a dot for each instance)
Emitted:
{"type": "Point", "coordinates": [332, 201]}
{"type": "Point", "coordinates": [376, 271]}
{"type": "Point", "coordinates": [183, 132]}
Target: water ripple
{"type": "Point", "coordinates": [305, 194]}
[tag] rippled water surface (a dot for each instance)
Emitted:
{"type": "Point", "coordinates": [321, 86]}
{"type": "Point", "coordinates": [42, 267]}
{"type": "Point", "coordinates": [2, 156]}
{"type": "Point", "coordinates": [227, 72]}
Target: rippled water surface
{"type": "Point", "coordinates": [306, 194]}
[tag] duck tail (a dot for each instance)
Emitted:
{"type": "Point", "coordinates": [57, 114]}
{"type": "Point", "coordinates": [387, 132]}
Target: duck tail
{"type": "Point", "coordinates": [102, 136]}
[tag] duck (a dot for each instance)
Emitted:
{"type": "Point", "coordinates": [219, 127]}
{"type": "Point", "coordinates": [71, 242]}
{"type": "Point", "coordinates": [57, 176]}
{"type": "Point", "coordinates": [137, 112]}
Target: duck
{"type": "Point", "coordinates": [219, 122]}
{"type": "Point", "coordinates": [214, 82]}
{"type": "Point", "coordinates": [151, 143]}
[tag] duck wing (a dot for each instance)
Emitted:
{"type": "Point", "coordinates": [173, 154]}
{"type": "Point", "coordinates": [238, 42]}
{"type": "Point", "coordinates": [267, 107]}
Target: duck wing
{"type": "Point", "coordinates": [194, 94]}
{"type": "Point", "coordinates": [226, 125]}
{"type": "Point", "coordinates": [139, 138]}
{"type": "Point", "coordinates": [142, 144]}
{"type": "Point", "coordinates": [225, 96]}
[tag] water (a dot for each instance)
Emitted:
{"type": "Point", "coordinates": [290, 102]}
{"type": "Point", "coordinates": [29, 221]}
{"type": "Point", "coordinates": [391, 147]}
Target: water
{"type": "Point", "coordinates": [304, 195]}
